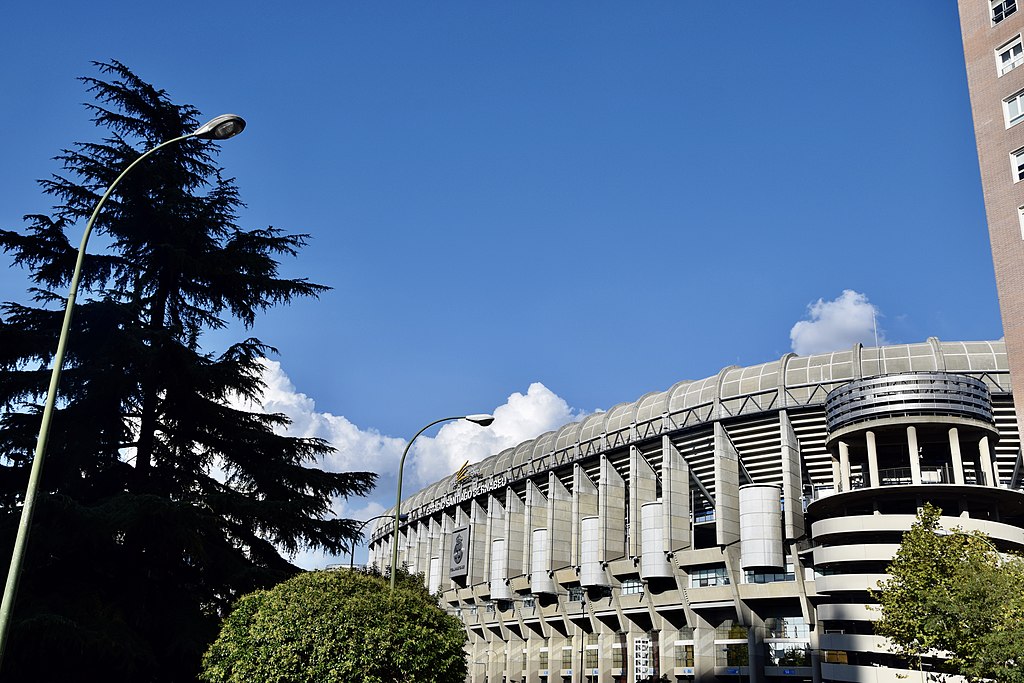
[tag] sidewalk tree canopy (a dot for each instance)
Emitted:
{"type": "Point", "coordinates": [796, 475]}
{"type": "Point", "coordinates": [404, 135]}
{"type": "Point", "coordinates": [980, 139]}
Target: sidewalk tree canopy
{"type": "Point", "coordinates": [949, 591]}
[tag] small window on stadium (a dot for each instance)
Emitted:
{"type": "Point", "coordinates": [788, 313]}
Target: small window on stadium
{"type": "Point", "coordinates": [1002, 9]}
{"type": "Point", "coordinates": [1013, 109]}
{"type": "Point", "coordinates": [631, 587]}
{"type": "Point", "coordinates": [763, 576]}
{"type": "Point", "coordinates": [1017, 165]}
{"type": "Point", "coordinates": [709, 576]}
{"type": "Point", "coordinates": [1010, 56]}
{"type": "Point", "coordinates": [684, 654]}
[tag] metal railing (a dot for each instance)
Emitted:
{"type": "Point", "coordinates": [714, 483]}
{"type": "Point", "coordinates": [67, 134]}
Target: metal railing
{"type": "Point", "coordinates": [903, 476]}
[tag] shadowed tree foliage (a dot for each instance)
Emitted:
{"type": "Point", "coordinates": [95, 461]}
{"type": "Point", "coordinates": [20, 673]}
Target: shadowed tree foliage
{"type": "Point", "coordinates": [161, 503]}
{"type": "Point", "coordinates": [952, 593]}
{"type": "Point", "coordinates": [339, 627]}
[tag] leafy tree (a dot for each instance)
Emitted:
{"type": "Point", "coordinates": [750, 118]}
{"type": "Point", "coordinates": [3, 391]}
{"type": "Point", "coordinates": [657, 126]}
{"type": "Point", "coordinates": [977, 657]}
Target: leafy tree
{"type": "Point", "coordinates": [161, 503]}
{"type": "Point", "coordinates": [952, 593]}
{"type": "Point", "coordinates": [337, 627]}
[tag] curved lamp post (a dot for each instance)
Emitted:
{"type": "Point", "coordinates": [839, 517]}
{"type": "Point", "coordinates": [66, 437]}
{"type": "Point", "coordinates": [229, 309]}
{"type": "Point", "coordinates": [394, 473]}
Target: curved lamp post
{"type": "Point", "coordinates": [219, 128]}
{"type": "Point", "coordinates": [359, 530]}
{"type": "Point", "coordinates": [480, 419]}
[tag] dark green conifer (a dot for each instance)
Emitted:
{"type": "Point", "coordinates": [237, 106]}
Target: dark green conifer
{"type": "Point", "coordinates": [162, 503]}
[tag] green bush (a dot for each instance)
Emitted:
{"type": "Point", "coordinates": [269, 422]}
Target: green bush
{"type": "Point", "coordinates": [338, 626]}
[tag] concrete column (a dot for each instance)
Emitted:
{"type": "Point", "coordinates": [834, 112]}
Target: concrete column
{"type": "Point", "coordinates": [954, 451]}
{"type": "Point", "coordinates": [815, 657]}
{"type": "Point", "coordinates": [792, 484]}
{"type": "Point", "coordinates": [495, 659]}
{"type": "Point", "coordinates": [915, 455]}
{"type": "Point", "coordinates": [675, 496]}
{"type": "Point", "coordinates": [604, 641]}
{"type": "Point", "coordinates": [704, 653]}
{"type": "Point", "coordinates": [643, 484]}
{"type": "Point", "coordinates": [561, 525]}
{"type": "Point", "coordinates": [611, 509]}
{"type": "Point", "coordinates": [755, 654]}
{"type": "Point", "coordinates": [985, 458]}
{"type": "Point", "coordinates": [584, 504]}
{"type": "Point", "coordinates": [873, 460]}
{"type": "Point", "coordinates": [532, 644]}
{"type": "Point", "coordinates": [844, 466]}
{"type": "Point", "coordinates": [667, 651]}
{"type": "Point", "coordinates": [727, 484]}
{"type": "Point", "coordinates": [835, 474]}
{"type": "Point", "coordinates": [515, 539]}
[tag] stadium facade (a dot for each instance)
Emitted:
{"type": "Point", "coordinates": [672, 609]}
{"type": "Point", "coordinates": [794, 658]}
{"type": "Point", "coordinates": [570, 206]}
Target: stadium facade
{"type": "Point", "coordinates": [728, 528]}
{"type": "Point", "coordinates": [732, 528]}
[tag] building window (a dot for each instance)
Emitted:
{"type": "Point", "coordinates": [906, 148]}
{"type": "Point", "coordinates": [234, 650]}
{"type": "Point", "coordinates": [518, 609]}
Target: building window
{"type": "Point", "coordinates": [576, 594]}
{"type": "Point", "coordinates": [704, 513]}
{"type": "Point", "coordinates": [762, 576]}
{"type": "Point", "coordinates": [543, 659]}
{"type": "Point", "coordinates": [566, 657]}
{"type": "Point", "coordinates": [787, 654]}
{"type": "Point", "coordinates": [709, 576]}
{"type": "Point", "coordinates": [684, 654]}
{"type": "Point", "coordinates": [731, 654]}
{"type": "Point", "coordinates": [631, 587]}
{"type": "Point", "coordinates": [618, 661]}
{"type": "Point", "coordinates": [591, 660]}
{"type": "Point", "coordinates": [728, 630]}
{"type": "Point", "coordinates": [1013, 109]}
{"type": "Point", "coordinates": [1017, 165]}
{"type": "Point", "coordinates": [1010, 56]}
{"type": "Point", "coordinates": [1002, 9]}
{"type": "Point", "coordinates": [787, 627]}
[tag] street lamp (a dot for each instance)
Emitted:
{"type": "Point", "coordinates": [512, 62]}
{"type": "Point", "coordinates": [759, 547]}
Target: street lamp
{"type": "Point", "coordinates": [219, 128]}
{"type": "Point", "coordinates": [359, 531]}
{"type": "Point", "coordinates": [481, 419]}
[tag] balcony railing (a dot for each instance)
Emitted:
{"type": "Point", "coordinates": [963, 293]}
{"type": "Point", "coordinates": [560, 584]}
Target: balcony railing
{"type": "Point", "coordinates": [902, 476]}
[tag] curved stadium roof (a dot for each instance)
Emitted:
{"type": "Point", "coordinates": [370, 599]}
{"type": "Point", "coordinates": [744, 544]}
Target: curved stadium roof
{"type": "Point", "coordinates": [790, 381]}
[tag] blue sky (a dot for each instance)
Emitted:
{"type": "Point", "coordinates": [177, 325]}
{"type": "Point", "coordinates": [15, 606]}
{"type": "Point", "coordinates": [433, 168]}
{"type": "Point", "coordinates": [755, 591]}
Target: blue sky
{"type": "Point", "coordinates": [550, 208]}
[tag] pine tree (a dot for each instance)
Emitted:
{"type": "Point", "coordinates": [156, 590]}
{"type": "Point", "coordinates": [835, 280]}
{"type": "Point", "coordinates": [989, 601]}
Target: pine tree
{"type": "Point", "coordinates": [161, 502]}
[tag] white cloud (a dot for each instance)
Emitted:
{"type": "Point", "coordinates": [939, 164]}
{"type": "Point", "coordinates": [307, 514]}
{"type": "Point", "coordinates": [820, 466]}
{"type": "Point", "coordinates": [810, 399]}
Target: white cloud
{"type": "Point", "coordinates": [357, 449]}
{"type": "Point", "coordinates": [837, 324]}
{"type": "Point", "coordinates": [521, 417]}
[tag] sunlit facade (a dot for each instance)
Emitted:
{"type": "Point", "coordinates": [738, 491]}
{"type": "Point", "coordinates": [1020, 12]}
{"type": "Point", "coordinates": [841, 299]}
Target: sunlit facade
{"type": "Point", "coordinates": [726, 529]}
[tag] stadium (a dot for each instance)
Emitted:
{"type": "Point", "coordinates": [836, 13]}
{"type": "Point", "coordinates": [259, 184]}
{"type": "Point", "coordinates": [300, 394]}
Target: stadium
{"type": "Point", "coordinates": [727, 528]}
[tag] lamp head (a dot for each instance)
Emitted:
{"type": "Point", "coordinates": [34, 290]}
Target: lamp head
{"type": "Point", "coordinates": [220, 128]}
{"type": "Point", "coordinates": [481, 419]}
